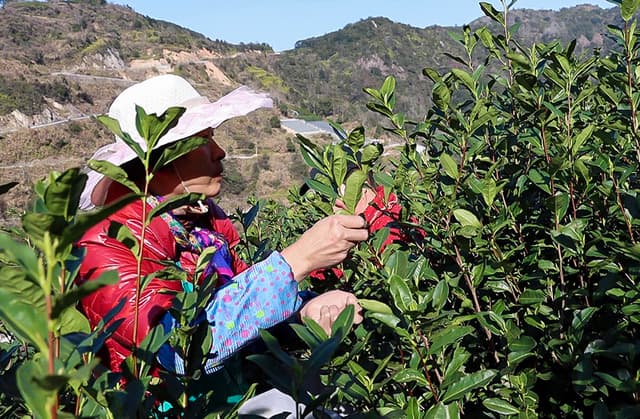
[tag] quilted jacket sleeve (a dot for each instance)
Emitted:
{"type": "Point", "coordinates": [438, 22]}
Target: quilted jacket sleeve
{"type": "Point", "coordinates": [104, 253]}
{"type": "Point", "coordinates": [260, 297]}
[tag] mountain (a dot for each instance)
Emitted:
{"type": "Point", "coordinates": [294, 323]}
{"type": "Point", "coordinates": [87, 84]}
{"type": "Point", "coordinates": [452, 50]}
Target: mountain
{"type": "Point", "coordinates": [325, 75]}
{"type": "Point", "coordinates": [63, 61]}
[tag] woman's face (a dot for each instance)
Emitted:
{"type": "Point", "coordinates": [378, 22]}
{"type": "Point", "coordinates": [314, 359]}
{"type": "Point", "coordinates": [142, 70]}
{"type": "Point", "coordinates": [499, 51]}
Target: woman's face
{"type": "Point", "coordinates": [201, 169]}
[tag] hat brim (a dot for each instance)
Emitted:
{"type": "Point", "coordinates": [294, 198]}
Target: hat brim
{"type": "Point", "coordinates": [195, 119]}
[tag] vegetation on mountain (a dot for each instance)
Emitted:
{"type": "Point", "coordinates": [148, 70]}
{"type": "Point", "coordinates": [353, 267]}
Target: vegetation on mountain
{"type": "Point", "coordinates": [64, 60]}
{"type": "Point", "coordinates": [515, 294]}
{"type": "Point", "coordinates": [324, 74]}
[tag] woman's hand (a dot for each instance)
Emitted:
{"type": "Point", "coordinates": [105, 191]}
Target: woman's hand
{"type": "Point", "coordinates": [325, 308]}
{"type": "Point", "coordinates": [325, 244]}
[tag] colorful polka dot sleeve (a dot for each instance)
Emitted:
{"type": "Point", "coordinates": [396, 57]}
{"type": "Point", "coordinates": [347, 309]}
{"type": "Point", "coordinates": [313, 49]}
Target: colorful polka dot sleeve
{"type": "Point", "coordinates": [258, 298]}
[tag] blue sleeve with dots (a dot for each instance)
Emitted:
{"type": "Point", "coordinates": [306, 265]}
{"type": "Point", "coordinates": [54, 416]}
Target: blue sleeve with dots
{"type": "Point", "coordinates": [258, 298]}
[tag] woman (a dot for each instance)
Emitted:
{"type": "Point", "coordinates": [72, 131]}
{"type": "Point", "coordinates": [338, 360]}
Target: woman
{"type": "Point", "coordinates": [247, 299]}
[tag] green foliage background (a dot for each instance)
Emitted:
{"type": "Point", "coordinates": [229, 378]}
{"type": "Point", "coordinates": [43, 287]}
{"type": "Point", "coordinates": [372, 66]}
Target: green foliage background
{"type": "Point", "coordinates": [520, 298]}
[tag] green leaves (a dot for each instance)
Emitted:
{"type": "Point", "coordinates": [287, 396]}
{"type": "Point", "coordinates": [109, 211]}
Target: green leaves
{"type": "Point", "coordinates": [62, 195]}
{"type": "Point", "coordinates": [441, 96]}
{"type": "Point", "coordinates": [177, 150]}
{"type": "Point", "coordinates": [153, 127]}
{"type": "Point", "coordinates": [491, 12]}
{"type": "Point", "coordinates": [501, 407]}
{"type": "Point", "coordinates": [401, 294]}
{"type": "Point", "coordinates": [628, 8]}
{"type": "Point", "coordinates": [509, 269]}
{"type": "Point", "coordinates": [449, 166]}
{"type": "Point", "coordinates": [114, 126]}
{"type": "Point", "coordinates": [353, 189]}
{"type": "Point", "coordinates": [26, 320]}
{"type": "Point", "coordinates": [467, 383]}
{"type": "Point", "coordinates": [466, 218]}
{"type": "Point", "coordinates": [115, 173]}
{"type": "Point", "coordinates": [466, 79]}
{"type": "Point", "coordinates": [39, 398]}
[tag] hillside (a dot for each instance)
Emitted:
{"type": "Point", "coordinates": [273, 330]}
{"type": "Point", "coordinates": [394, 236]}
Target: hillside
{"type": "Point", "coordinates": [63, 61]}
{"type": "Point", "coordinates": [325, 75]}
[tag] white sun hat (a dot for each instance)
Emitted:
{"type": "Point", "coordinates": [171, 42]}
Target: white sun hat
{"type": "Point", "coordinates": [155, 96]}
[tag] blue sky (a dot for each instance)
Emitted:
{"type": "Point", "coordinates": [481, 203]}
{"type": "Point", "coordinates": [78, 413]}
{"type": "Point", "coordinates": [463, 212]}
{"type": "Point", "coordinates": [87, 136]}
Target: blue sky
{"type": "Point", "coordinates": [281, 23]}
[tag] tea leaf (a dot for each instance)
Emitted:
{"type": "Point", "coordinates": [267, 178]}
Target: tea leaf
{"type": "Point", "coordinates": [353, 190]}
{"type": "Point", "coordinates": [466, 218]}
{"type": "Point", "coordinates": [467, 383]}
{"type": "Point", "coordinates": [449, 165]}
{"type": "Point", "coordinates": [25, 320]}
{"type": "Point", "coordinates": [500, 406]}
{"type": "Point", "coordinates": [374, 306]}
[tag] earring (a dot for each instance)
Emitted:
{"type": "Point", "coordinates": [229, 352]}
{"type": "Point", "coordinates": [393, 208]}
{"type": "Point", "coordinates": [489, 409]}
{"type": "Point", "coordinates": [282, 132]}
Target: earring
{"type": "Point", "coordinates": [203, 208]}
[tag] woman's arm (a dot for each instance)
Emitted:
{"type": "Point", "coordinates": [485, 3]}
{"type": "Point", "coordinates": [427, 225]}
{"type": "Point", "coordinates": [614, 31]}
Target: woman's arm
{"type": "Point", "coordinates": [258, 298]}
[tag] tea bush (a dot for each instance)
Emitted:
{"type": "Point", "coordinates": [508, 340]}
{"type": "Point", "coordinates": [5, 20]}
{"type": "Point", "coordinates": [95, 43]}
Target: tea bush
{"type": "Point", "coordinates": [516, 293]}
{"type": "Point", "coordinates": [522, 297]}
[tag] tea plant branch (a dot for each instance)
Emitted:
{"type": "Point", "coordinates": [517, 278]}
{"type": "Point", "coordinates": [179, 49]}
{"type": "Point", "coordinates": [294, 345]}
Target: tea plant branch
{"type": "Point", "coordinates": [507, 38]}
{"type": "Point", "coordinates": [629, 41]}
{"type": "Point", "coordinates": [459, 261]}
{"type": "Point", "coordinates": [49, 260]}
{"type": "Point", "coordinates": [139, 255]}
{"type": "Point", "coordinates": [552, 187]}
{"type": "Point", "coordinates": [623, 211]}
{"type": "Point", "coordinates": [425, 342]}
{"type": "Point", "coordinates": [474, 294]}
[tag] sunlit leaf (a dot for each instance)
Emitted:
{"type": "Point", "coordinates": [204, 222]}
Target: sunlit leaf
{"type": "Point", "coordinates": [374, 306]}
{"type": "Point", "coordinates": [353, 190]}
{"type": "Point", "coordinates": [388, 88]}
{"type": "Point", "coordinates": [447, 337]}
{"type": "Point", "coordinates": [114, 126]}
{"type": "Point", "coordinates": [491, 12]}
{"type": "Point", "coordinates": [467, 384]}
{"type": "Point", "coordinates": [339, 164]}
{"type": "Point", "coordinates": [466, 218]}
{"type": "Point", "coordinates": [443, 411]}
{"type": "Point", "coordinates": [25, 320]}
{"type": "Point", "coordinates": [115, 173]}
{"type": "Point", "coordinates": [356, 138]}
{"type": "Point", "coordinates": [628, 8]}
{"type": "Point", "coordinates": [177, 150]}
{"type": "Point", "coordinates": [500, 406]}
{"type": "Point", "coordinates": [449, 165]}
{"type": "Point", "coordinates": [410, 375]}
{"type": "Point", "coordinates": [400, 292]}
{"type": "Point", "coordinates": [63, 194]}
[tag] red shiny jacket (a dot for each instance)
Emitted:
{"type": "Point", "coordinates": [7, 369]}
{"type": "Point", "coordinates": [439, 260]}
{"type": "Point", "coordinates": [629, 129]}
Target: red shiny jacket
{"type": "Point", "coordinates": [104, 253]}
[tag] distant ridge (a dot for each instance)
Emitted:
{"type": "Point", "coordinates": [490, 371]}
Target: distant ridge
{"type": "Point", "coordinates": [61, 62]}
